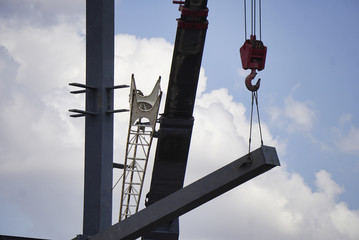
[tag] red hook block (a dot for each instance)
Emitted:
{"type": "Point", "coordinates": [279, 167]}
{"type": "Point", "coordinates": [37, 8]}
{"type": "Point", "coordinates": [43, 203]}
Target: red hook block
{"type": "Point", "coordinates": [253, 54]}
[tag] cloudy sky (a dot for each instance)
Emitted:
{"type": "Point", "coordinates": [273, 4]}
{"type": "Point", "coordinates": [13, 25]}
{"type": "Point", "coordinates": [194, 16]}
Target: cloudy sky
{"type": "Point", "coordinates": [308, 104]}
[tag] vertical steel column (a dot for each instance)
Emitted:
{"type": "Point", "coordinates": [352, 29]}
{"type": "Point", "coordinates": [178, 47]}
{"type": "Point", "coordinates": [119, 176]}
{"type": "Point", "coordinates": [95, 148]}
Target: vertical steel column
{"type": "Point", "coordinates": [99, 127]}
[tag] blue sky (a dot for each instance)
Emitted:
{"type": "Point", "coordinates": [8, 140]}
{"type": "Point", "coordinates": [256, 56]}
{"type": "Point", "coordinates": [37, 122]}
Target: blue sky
{"type": "Point", "coordinates": [307, 102]}
{"type": "Point", "coordinates": [312, 59]}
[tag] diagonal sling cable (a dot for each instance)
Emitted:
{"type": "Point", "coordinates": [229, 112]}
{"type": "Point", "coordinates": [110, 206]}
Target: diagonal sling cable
{"type": "Point", "coordinates": [254, 97]}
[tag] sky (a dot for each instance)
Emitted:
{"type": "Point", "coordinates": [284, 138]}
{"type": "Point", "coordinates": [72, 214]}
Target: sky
{"type": "Point", "coordinates": [307, 102]}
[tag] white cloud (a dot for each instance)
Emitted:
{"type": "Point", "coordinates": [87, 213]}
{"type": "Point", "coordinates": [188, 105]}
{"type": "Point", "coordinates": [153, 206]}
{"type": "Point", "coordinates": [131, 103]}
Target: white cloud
{"type": "Point", "coordinates": [41, 148]}
{"type": "Point", "coordinates": [47, 57]}
{"type": "Point", "coordinates": [344, 119]}
{"type": "Point", "coordinates": [346, 135]}
{"type": "Point", "coordinates": [349, 143]}
{"type": "Point", "coordinates": [301, 115]}
{"type": "Point", "coordinates": [42, 12]}
{"type": "Point", "coordinates": [276, 205]}
{"type": "Point", "coordinates": [345, 220]}
{"type": "Point", "coordinates": [147, 59]}
{"type": "Point", "coordinates": [294, 116]}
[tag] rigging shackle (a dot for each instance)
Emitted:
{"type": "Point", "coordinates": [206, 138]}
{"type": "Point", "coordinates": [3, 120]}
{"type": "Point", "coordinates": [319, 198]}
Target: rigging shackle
{"type": "Point", "coordinates": [248, 81]}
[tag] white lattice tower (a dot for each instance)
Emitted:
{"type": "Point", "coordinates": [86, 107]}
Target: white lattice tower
{"type": "Point", "coordinates": [143, 118]}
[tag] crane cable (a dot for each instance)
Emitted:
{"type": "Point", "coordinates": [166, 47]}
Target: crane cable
{"type": "Point", "coordinates": [254, 97]}
{"type": "Point", "coordinates": [254, 93]}
{"type": "Point", "coordinates": [245, 21]}
{"type": "Point", "coordinates": [260, 20]}
{"type": "Point", "coordinates": [253, 18]}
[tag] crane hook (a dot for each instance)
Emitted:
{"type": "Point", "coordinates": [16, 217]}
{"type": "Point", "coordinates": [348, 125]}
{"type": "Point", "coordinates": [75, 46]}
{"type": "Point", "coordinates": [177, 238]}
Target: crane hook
{"type": "Point", "coordinates": [249, 79]}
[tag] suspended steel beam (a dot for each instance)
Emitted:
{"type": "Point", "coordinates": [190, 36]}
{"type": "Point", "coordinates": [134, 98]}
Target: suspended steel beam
{"type": "Point", "coordinates": [193, 195]}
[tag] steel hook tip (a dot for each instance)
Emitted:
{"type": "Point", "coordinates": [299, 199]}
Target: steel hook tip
{"type": "Point", "coordinates": [249, 79]}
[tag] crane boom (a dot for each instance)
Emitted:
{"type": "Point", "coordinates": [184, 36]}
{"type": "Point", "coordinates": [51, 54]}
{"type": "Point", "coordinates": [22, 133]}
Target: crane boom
{"type": "Point", "coordinates": [176, 123]}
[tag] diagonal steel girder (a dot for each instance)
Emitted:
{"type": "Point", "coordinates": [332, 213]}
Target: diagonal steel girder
{"type": "Point", "coordinates": [193, 195]}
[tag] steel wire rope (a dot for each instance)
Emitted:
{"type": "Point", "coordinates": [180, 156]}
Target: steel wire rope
{"type": "Point", "coordinates": [245, 20]}
{"type": "Point", "coordinates": [259, 121]}
{"type": "Point", "coordinates": [260, 20]}
{"type": "Point", "coordinates": [254, 97]}
{"type": "Point", "coordinates": [250, 128]}
{"type": "Point", "coordinates": [251, 17]}
{"type": "Point", "coordinates": [254, 17]}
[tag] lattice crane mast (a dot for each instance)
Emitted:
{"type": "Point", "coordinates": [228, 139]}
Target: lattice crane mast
{"type": "Point", "coordinates": [143, 118]}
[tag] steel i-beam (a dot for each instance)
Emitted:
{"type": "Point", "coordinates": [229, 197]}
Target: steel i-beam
{"type": "Point", "coordinates": [193, 195]}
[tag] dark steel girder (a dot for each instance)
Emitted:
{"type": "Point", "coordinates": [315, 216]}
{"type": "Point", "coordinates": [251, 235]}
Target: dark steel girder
{"type": "Point", "coordinates": [176, 122]}
{"type": "Point", "coordinates": [193, 195]}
